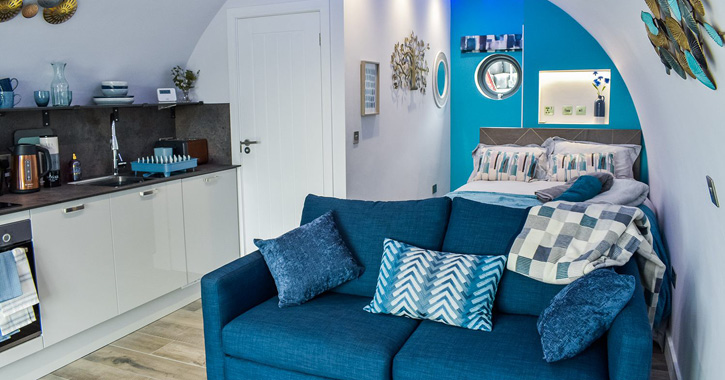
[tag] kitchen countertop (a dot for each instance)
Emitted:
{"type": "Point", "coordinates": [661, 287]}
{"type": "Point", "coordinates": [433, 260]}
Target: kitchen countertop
{"type": "Point", "coordinates": [67, 193]}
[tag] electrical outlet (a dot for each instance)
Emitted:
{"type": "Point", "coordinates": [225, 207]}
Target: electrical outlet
{"type": "Point", "coordinates": [674, 278]}
{"type": "Point", "coordinates": [567, 110]}
{"type": "Point", "coordinates": [435, 188]}
{"type": "Point", "coordinates": [356, 137]}
{"type": "Point", "coordinates": [581, 110]}
{"type": "Point", "coordinates": [549, 111]}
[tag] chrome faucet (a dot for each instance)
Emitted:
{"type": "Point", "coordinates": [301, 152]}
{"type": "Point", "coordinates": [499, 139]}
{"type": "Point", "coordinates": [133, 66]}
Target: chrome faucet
{"type": "Point", "coordinates": [117, 159]}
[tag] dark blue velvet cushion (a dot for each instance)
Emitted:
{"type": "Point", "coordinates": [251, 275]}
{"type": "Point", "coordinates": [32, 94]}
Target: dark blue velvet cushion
{"type": "Point", "coordinates": [582, 312]}
{"type": "Point", "coordinates": [365, 225]}
{"type": "Point", "coordinates": [583, 189]}
{"type": "Point", "coordinates": [308, 261]}
{"type": "Point", "coordinates": [486, 229]}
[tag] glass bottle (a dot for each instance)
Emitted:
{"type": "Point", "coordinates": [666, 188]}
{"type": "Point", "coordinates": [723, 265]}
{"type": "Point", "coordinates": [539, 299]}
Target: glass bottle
{"type": "Point", "coordinates": [59, 86]}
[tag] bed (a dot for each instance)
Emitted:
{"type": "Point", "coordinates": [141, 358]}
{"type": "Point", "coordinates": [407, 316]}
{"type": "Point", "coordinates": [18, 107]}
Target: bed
{"type": "Point", "coordinates": [521, 194]}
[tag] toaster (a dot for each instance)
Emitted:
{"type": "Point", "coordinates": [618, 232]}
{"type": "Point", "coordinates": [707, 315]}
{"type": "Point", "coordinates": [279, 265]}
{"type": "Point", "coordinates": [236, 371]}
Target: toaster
{"type": "Point", "coordinates": [196, 148]}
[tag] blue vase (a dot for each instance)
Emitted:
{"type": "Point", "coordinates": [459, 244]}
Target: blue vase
{"type": "Point", "coordinates": [59, 94]}
{"type": "Point", "coordinates": [600, 107]}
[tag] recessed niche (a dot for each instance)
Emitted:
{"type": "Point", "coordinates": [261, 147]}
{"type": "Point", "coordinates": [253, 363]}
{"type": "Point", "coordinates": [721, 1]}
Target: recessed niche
{"type": "Point", "coordinates": [569, 97]}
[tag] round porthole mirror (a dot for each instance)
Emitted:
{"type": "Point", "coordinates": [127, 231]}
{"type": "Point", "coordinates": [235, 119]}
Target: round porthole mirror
{"type": "Point", "coordinates": [441, 82]}
{"type": "Point", "coordinates": [498, 76]}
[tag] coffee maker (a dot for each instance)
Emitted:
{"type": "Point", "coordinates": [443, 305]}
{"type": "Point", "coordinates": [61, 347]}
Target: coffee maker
{"type": "Point", "coordinates": [52, 179]}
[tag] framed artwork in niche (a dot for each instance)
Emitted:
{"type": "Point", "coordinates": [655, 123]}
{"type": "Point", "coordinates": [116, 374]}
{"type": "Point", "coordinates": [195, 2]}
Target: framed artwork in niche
{"type": "Point", "coordinates": [369, 88]}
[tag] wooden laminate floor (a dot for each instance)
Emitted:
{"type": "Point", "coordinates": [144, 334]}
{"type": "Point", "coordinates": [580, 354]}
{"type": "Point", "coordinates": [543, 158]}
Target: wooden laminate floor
{"type": "Point", "coordinates": [173, 348]}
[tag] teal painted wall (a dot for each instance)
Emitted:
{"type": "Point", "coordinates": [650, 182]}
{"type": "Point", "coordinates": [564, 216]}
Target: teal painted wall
{"type": "Point", "coordinates": [552, 41]}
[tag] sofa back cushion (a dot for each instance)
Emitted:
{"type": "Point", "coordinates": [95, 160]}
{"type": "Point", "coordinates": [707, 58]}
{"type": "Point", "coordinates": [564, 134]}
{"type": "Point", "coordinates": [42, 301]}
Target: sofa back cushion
{"type": "Point", "coordinates": [364, 226]}
{"type": "Point", "coordinates": [487, 229]}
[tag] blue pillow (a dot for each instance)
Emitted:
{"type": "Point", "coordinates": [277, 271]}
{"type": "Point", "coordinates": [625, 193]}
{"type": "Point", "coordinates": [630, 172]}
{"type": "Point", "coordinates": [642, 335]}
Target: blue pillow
{"type": "Point", "coordinates": [455, 289]}
{"type": "Point", "coordinates": [308, 261]}
{"type": "Point", "coordinates": [583, 189]}
{"type": "Point", "coordinates": [582, 312]}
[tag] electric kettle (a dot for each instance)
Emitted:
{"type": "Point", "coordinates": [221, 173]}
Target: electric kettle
{"type": "Point", "coordinates": [27, 170]}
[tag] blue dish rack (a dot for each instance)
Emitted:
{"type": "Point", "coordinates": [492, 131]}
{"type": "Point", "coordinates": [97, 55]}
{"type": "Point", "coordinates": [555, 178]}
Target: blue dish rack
{"type": "Point", "coordinates": [166, 169]}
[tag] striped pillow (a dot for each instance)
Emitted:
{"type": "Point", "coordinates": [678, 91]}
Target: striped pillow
{"type": "Point", "coordinates": [496, 165]}
{"type": "Point", "coordinates": [563, 167]}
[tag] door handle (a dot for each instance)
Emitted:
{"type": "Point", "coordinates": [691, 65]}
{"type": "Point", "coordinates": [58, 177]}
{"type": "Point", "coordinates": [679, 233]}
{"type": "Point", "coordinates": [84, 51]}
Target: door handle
{"type": "Point", "coordinates": [73, 209]}
{"type": "Point", "coordinates": [148, 193]}
{"type": "Point", "coordinates": [244, 145]}
{"type": "Point", "coordinates": [211, 179]}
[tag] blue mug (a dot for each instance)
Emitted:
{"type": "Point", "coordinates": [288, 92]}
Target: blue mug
{"type": "Point", "coordinates": [6, 84]}
{"type": "Point", "coordinates": [42, 98]}
{"type": "Point", "coordinates": [7, 99]}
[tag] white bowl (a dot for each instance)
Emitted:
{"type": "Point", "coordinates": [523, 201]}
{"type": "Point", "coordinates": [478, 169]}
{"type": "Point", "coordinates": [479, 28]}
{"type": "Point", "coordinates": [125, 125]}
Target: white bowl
{"type": "Point", "coordinates": [114, 83]}
{"type": "Point", "coordinates": [114, 92]}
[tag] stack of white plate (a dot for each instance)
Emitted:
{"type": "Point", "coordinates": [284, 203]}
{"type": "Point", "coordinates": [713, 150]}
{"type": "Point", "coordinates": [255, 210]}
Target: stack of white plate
{"type": "Point", "coordinates": [114, 93]}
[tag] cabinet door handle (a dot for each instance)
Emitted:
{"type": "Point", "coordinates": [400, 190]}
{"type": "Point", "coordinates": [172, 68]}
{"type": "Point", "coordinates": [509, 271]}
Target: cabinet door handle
{"type": "Point", "coordinates": [211, 179]}
{"type": "Point", "coordinates": [73, 209]}
{"type": "Point", "coordinates": [148, 193]}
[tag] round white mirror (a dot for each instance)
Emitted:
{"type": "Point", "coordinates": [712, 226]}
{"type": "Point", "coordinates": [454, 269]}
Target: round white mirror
{"type": "Point", "coordinates": [441, 82]}
{"type": "Point", "coordinates": [498, 76]}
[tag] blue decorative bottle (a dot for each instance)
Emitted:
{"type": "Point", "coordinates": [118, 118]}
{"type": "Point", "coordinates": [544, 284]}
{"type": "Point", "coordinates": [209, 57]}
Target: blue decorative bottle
{"type": "Point", "coordinates": [599, 107]}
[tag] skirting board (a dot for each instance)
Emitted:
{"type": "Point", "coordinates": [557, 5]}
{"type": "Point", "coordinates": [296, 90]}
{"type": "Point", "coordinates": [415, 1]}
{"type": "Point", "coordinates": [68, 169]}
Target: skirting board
{"type": "Point", "coordinates": [673, 367]}
{"type": "Point", "coordinates": [60, 354]}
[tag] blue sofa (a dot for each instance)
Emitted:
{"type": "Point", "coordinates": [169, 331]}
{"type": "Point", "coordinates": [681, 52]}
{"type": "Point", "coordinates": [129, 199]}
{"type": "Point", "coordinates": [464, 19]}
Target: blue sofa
{"type": "Point", "coordinates": [248, 336]}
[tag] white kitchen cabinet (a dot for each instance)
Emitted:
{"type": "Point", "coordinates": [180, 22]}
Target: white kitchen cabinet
{"type": "Point", "coordinates": [148, 243]}
{"type": "Point", "coordinates": [211, 222]}
{"type": "Point", "coordinates": [74, 261]}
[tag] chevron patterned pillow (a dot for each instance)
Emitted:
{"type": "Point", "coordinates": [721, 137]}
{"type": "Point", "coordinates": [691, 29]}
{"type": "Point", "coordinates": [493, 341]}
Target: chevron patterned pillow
{"type": "Point", "coordinates": [450, 288]}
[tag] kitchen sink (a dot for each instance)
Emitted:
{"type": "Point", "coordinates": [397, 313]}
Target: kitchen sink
{"type": "Point", "coordinates": [110, 181]}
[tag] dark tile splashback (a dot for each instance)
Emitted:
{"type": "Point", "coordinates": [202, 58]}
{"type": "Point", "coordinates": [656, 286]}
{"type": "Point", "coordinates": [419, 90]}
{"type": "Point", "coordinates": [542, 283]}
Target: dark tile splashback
{"type": "Point", "coordinates": [87, 132]}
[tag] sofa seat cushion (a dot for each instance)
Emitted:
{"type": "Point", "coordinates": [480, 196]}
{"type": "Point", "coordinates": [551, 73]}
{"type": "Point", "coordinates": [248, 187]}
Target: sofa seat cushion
{"type": "Point", "coordinates": [511, 351]}
{"type": "Point", "coordinates": [365, 225]}
{"type": "Point", "coordinates": [329, 336]}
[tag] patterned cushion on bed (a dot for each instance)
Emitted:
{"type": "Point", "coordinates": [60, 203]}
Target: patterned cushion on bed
{"type": "Point", "coordinates": [563, 167]}
{"type": "Point", "coordinates": [496, 165]}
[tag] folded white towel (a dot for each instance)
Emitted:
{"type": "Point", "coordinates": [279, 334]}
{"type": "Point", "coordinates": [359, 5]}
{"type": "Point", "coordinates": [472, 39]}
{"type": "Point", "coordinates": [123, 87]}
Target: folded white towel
{"type": "Point", "coordinates": [10, 324]}
{"type": "Point", "coordinates": [27, 285]}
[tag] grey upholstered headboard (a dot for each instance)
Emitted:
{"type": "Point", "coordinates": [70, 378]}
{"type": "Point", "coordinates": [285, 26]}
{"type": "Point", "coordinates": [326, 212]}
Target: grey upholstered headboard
{"type": "Point", "coordinates": [525, 136]}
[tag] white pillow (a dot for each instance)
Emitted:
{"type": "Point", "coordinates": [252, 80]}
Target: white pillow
{"type": "Point", "coordinates": [540, 153]}
{"type": "Point", "coordinates": [625, 155]}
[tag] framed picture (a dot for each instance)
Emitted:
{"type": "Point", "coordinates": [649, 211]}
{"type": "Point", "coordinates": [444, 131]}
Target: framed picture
{"type": "Point", "coordinates": [369, 88]}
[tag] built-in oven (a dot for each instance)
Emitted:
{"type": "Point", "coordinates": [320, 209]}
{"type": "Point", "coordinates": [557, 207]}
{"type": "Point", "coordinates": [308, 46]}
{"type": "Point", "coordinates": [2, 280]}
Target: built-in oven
{"type": "Point", "coordinates": [19, 235]}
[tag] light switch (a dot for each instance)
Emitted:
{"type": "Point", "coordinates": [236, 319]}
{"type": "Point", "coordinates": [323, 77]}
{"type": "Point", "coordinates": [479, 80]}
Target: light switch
{"type": "Point", "coordinates": [713, 191]}
{"type": "Point", "coordinates": [549, 111]}
{"type": "Point", "coordinates": [581, 110]}
{"type": "Point", "coordinates": [567, 110]}
{"type": "Point", "coordinates": [356, 137]}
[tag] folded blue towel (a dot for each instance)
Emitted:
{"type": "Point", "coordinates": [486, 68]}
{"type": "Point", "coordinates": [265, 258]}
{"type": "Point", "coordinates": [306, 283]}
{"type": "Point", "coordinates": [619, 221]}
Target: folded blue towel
{"type": "Point", "coordinates": [585, 188]}
{"type": "Point", "coordinates": [9, 279]}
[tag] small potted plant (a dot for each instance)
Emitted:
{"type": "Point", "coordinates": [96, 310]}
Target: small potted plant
{"type": "Point", "coordinates": [184, 80]}
{"type": "Point", "coordinates": [600, 84]}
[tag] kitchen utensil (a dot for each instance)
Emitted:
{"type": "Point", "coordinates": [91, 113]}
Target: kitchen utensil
{"type": "Point", "coordinates": [30, 10]}
{"type": "Point", "coordinates": [8, 99]}
{"type": "Point", "coordinates": [27, 170]}
{"type": "Point", "coordinates": [60, 13]}
{"type": "Point", "coordinates": [42, 98]}
{"type": "Point", "coordinates": [113, 101]}
{"type": "Point", "coordinates": [9, 9]}
{"type": "Point", "coordinates": [165, 168]}
{"type": "Point", "coordinates": [52, 179]}
{"type": "Point", "coordinates": [6, 84]}
{"type": "Point", "coordinates": [59, 87]}
{"type": "Point", "coordinates": [114, 88]}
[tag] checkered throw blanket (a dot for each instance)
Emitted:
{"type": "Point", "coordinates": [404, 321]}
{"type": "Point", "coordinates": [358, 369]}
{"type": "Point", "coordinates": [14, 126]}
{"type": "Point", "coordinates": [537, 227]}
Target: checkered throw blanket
{"type": "Point", "coordinates": [563, 241]}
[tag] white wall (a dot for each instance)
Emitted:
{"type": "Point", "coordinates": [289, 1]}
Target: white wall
{"type": "Point", "coordinates": [134, 40]}
{"type": "Point", "coordinates": [406, 149]}
{"type": "Point", "coordinates": [682, 122]}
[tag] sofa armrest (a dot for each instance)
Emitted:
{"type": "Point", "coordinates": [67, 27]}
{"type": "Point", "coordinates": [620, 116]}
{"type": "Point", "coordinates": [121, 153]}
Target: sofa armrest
{"type": "Point", "coordinates": [226, 293]}
{"type": "Point", "coordinates": [629, 340]}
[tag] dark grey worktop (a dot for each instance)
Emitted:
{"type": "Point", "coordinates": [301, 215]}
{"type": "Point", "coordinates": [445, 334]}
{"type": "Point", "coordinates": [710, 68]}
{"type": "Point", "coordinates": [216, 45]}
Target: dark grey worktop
{"type": "Point", "coordinates": [67, 193]}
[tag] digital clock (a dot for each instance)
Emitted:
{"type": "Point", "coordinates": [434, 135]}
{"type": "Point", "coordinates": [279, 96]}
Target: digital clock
{"type": "Point", "coordinates": [166, 95]}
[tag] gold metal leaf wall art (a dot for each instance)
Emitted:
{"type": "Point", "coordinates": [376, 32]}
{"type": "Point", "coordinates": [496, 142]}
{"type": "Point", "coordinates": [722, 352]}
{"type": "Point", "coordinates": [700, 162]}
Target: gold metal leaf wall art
{"type": "Point", "coordinates": [61, 13]}
{"type": "Point", "coordinates": [9, 9]}
{"type": "Point", "coordinates": [673, 28]}
{"type": "Point", "coordinates": [410, 69]}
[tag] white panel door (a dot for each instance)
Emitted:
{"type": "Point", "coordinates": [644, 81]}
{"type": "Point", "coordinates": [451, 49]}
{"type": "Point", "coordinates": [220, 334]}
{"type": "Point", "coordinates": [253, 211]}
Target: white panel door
{"type": "Point", "coordinates": [279, 93]}
{"type": "Point", "coordinates": [74, 262]}
{"type": "Point", "coordinates": [148, 243]}
{"type": "Point", "coordinates": [211, 222]}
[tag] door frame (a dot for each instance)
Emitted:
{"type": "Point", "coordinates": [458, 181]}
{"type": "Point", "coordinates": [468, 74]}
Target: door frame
{"type": "Point", "coordinates": [332, 60]}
